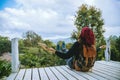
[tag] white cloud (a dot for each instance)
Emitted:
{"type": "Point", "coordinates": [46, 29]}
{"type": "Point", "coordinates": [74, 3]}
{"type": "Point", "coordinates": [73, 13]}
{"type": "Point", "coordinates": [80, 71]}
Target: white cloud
{"type": "Point", "coordinates": [11, 34]}
{"type": "Point", "coordinates": [51, 18]}
{"type": "Point", "coordinates": [90, 2]}
{"type": "Point", "coordinates": [110, 11]}
{"type": "Point", "coordinates": [112, 30]}
{"type": "Point", "coordinates": [56, 37]}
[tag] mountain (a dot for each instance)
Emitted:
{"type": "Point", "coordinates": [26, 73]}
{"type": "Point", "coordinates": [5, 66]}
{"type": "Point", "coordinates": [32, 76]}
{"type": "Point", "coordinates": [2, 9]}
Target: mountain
{"type": "Point", "coordinates": [66, 40]}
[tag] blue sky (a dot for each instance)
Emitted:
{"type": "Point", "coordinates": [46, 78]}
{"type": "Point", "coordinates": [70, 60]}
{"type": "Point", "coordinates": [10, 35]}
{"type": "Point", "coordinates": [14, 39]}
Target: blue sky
{"type": "Point", "coordinates": [53, 19]}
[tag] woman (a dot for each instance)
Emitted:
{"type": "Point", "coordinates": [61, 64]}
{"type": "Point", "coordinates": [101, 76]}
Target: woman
{"type": "Point", "coordinates": [75, 55]}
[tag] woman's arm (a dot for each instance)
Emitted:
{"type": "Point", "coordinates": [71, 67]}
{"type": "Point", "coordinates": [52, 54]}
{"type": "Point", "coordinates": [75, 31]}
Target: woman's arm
{"type": "Point", "coordinates": [69, 53]}
{"type": "Point", "coordinates": [101, 47]}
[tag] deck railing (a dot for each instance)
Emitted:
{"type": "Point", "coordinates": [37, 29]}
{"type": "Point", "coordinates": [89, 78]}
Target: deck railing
{"type": "Point", "coordinates": [15, 54]}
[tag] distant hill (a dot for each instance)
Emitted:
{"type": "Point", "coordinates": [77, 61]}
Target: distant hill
{"type": "Point", "coordinates": [66, 40]}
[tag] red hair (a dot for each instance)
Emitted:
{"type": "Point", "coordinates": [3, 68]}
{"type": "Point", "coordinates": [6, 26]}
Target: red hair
{"type": "Point", "coordinates": [87, 36]}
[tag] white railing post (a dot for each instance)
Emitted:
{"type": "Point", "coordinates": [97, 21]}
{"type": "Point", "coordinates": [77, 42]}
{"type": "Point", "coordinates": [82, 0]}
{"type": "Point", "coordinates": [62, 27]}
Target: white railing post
{"type": "Point", "coordinates": [15, 55]}
{"type": "Point", "coordinates": [107, 51]}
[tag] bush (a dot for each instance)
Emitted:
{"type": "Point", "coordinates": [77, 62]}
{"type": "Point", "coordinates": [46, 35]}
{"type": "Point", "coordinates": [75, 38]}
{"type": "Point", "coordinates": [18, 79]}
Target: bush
{"type": "Point", "coordinates": [115, 48]}
{"type": "Point", "coordinates": [5, 45]}
{"type": "Point", "coordinates": [40, 59]}
{"type": "Point", "coordinates": [5, 68]}
{"type": "Point", "coordinates": [101, 55]}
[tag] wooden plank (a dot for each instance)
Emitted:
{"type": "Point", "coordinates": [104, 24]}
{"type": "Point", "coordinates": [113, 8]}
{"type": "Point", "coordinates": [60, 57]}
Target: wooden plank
{"type": "Point", "coordinates": [73, 73]}
{"type": "Point", "coordinates": [57, 73]}
{"type": "Point", "coordinates": [35, 74]}
{"type": "Point", "coordinates": [104, 68]}
{"type": "Point", "coordinates": [50, 74]}
{"type": "Point", "coordinates": [12, 76]}
{"type": "Point", "coordinates": [20, 74]}
{"type": "Point", "coordinates": [110, 64]}
{"type": "Point", "coordinates": [96, 76]}
{"type": "Point", "coordinates": [105, 74]}
{"type": "Point", "coordinates": [28, 74]}
{"type": "Point", "coordinates": [107, 67]}
{"type": "Point", "coordinates": [66, 74]}
{"type": "Point", "coordinates": [116, 62]}
{"type": "Point", "coordinates": [43, 74]}
{"type": "Point", "coordinates": [83, 74]}
{"type": "Point", "coordinates": [108, 73]}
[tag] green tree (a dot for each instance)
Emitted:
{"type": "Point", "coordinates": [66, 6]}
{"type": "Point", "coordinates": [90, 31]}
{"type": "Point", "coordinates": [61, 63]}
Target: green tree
{"type": "Point", "coordinates": [69, 45]}
{"type": "Point", "coordinates": [49, 43]}
{"type": "Point", "coordinates": [118, 44]}
{"type": "Point", "coordinates": [5, 44]}
{"type": "Point", "coordinates": [5, 68]}
{"type": "Point", "coordinates": [31, 38]}
{"type": "Point", "coordinates": [91, 17]}
{"type": "Point", "coordinates": [115, 48]}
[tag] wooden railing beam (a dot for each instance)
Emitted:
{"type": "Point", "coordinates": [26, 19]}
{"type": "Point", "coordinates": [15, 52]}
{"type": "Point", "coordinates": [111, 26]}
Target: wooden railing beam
{"type": "Point", "coordinates": [15, 55]}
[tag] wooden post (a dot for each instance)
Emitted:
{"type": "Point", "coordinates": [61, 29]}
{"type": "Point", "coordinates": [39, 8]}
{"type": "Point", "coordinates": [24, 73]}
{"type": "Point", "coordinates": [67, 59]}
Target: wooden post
{"type": "Point", "coordinates": [15, 55]}
{"type": "Point", "coordinates": [107, 51]}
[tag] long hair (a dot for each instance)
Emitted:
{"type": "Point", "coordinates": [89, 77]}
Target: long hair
{"type": "Point", "coordinates": [87, 36]}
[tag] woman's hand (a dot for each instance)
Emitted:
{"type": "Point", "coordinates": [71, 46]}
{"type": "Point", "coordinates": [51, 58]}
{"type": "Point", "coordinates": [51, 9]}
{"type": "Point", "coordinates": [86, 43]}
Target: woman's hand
{"type": "Point", "coordinates": [102, 47]}
{"type": "Point", "coordinates": [52, 50]}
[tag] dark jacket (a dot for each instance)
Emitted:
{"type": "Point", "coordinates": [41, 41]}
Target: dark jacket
{"type": "Point", "coordinates": [75, 50]}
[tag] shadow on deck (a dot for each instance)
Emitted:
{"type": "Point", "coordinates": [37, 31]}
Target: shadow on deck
{"type": "Point", "coordinates": [102, 70]}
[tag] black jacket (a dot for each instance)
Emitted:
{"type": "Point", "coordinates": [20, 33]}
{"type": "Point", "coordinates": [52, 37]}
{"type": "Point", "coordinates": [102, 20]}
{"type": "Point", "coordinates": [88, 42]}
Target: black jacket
{"type": "Point", "coordinates": [75, 50]}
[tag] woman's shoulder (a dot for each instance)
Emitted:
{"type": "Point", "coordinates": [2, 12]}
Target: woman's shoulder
{"type": "Point", "coordinates": [77, 43]}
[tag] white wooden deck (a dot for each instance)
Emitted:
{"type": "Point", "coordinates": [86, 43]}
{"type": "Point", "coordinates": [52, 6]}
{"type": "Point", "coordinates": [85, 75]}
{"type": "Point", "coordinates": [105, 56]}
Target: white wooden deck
{"type": "Point", "coordinates": [101, 71]}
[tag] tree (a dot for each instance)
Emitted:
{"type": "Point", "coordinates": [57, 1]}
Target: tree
{"type": "Point", "coordinates": [118, 44]}
{"type": "Point", "coordinates": [5, 45]}
{"type": "Point", "coordinates": [91, 17]}
{"type": "Point", "coordinates": [31, 38]}
{"type": "Point", "coordinates": [49, 43]}
{"type": "Point", "coordinates": [115, 48]}
{"type": "Point", "coordinates": [68, 45]}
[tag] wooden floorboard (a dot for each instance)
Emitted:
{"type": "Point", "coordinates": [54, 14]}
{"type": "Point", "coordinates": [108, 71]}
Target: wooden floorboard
{"type": "Point", "coordinates": [102, 70]}
{"type": "Point", "coordinates": [20, 75]}
{"type": "Point", "coordinates": [56, 72]}
{"type": "Point", "coordinates": [28, 74]}
{"type": "Point", "coordinates": [50, 74]}
{"type": "Point", "coordinates": [66, 74]}
{"type": "Point", "coordinates": [43, 74]}
{"type": "Point", "coordinates": [35, 74]}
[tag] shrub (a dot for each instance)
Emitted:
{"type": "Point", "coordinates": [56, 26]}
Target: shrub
{"type": "Point", "coordinates": [40, 59]}
{"type": "Point", "coordinates": [5, 68]}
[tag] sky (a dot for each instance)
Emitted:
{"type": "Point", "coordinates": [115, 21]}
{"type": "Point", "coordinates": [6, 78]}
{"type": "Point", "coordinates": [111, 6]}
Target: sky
{"type": "Point", "coordinates": [53, 19]}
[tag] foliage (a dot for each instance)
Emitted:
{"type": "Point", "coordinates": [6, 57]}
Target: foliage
{"type": "Point", "coordinates": [31, 39]}
{"type": "Point", "coordinates": [35, 53]}
{"type": "Point", "coordinates": [5, 45]}
{"type": "Point", "coordinates": [117, 45]}
{"type": "Point", "coordinates": [21, 46]}
{"type": "Point", "coordinates": [68, 45]}
{"type": "Point", "coordinates": [49, 43]}
{"type": "Point", "coordinates": [89, 16]}
{"type": "Point", "coordinates": [41, 59]}
{"type": "Point", "coordinates": [5, 68]}
{"type": "Point", "coordinates": [115, 54]}
{"type": "Point", "coordinates": [115, 48]}
{"type": "Point", "coordinates": [100, 54]}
